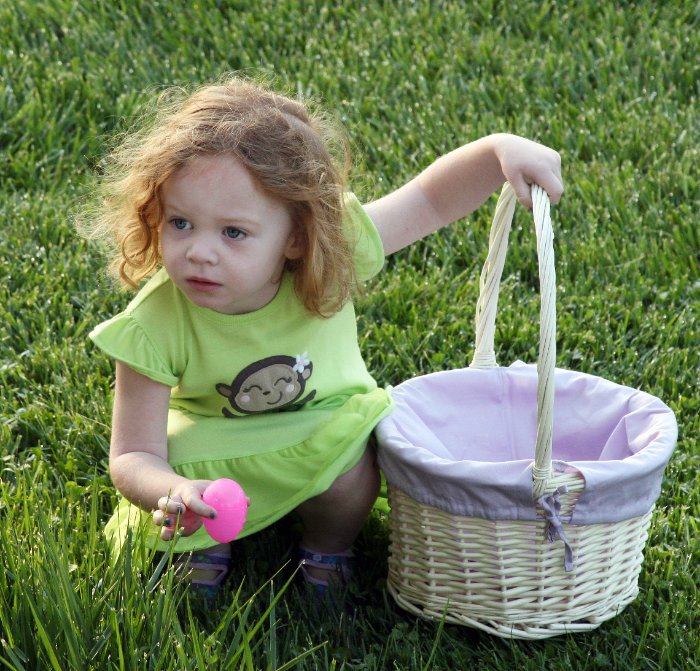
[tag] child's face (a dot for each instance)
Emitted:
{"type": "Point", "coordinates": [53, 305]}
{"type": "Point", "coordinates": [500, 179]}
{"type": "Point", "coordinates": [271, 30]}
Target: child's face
{"type": "Point", "coordinates": [223, 241]}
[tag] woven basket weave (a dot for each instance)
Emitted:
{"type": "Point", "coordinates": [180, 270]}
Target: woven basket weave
{"type": "Point", "coordinates": [501, 576]}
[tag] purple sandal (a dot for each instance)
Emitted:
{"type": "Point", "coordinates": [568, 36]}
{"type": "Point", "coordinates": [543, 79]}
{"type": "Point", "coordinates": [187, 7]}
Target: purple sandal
{"type": "Point", "coordinates": [218, 563]}
{"type": "Point", "coordinates": [338, 564]}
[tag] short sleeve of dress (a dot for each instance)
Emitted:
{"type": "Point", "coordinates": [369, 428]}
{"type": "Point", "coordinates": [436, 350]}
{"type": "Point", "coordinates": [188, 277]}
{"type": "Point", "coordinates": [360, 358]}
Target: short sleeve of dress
{"type": "Point", "coordinates": [369, 250]}
{"type": "Point", "coordinates": [124, 339]}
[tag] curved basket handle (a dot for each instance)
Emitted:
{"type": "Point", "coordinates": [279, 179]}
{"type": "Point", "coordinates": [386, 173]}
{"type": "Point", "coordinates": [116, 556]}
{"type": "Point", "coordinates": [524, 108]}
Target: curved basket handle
{"type": "Point", "coordinates": [484, 356]}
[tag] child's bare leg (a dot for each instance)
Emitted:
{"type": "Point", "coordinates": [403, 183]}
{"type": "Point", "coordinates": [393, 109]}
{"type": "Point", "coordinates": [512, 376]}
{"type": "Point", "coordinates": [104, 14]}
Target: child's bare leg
{"type": "Point", "coordinates": [333, 520]}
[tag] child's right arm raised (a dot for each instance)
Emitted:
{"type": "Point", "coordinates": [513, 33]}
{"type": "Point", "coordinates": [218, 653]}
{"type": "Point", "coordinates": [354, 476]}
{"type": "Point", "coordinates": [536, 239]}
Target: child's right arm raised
{"type": "Point", "coordinates": [138, 455]}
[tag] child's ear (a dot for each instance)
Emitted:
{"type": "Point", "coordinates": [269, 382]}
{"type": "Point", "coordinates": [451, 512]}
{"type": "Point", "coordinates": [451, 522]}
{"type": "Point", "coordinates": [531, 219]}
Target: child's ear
{"type": "Point", "coordinates": [295, 245]}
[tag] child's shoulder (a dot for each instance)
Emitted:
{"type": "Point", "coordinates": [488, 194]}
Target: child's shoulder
{"type": "Point", "coordinates": [364, 237]}
{"type": "Point", "coordinates": [158, 289]}
{"type": "Point", "coordinates": [144, 321]}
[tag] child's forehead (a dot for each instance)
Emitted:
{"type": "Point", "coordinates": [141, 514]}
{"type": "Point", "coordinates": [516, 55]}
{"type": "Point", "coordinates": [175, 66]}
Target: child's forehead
{"type": "Point", "coordinates": [221, 187]}
{"type": "Point", "coordinates": [213, 172]}
{"type": "Point", "coordinates": [224, 164]}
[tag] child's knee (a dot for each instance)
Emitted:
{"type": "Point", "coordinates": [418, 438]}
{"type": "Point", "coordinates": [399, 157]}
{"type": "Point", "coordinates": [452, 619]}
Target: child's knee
{"type": "Point", "coordinates": [359, 483]}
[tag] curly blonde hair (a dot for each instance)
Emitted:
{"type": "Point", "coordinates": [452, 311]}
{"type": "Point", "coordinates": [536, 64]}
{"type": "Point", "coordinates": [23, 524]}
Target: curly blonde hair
{"type": "Point", "coordinates": [297, 155]}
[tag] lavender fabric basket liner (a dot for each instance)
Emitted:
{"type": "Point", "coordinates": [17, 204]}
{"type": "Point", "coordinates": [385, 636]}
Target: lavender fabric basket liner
{"type": "Point", "coordinates": [463, 441]}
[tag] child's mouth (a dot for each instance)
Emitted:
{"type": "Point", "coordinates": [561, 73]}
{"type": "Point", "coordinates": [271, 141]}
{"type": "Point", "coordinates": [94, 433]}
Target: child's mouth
{"type": "Point", "coordinates": [201, 284]}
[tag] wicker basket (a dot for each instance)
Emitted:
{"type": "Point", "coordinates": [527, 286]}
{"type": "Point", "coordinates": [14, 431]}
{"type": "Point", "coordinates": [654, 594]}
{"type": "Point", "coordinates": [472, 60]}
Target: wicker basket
{"type": "Point", "coordinates": [516, 578]}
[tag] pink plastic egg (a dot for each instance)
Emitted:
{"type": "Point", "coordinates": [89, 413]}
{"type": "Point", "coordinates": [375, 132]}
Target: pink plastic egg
{"type": "Point", "coordinates": [231, 504]}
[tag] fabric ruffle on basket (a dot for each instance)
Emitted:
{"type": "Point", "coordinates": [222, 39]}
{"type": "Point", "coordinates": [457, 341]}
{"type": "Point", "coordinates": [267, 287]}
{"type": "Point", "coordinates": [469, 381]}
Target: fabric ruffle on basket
{"type": "Point", "coordinates": [462, 441]}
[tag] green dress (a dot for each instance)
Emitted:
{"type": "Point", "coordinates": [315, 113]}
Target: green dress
{"type": "Point", "coordinates": [276, 399]}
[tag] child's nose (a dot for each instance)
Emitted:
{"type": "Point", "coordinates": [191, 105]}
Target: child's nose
{"type": "Point", "coordinates": [201, 251]}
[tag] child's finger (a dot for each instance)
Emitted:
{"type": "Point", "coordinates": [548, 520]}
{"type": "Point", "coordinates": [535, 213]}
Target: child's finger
{"type": "Point", "coordinates": [555, 190]}
{"type": "Point", "coordinates": [200, 508]}
{"type": "Point", "coordinates": [553, 186]}
{"type": "Point", "coordinates": [163, 519]}
{"type": "Point", "coordinates": [171, 504]}
{"type": "Point", "coordinates": [522, 191]}
{"type": "Point", "coordinates": [166, 533]}
{"type": "Point", "coordinates": [165, 522]}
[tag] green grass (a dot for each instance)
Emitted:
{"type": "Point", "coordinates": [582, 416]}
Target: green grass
{"type": "Point", "coordinates": [613, 86]}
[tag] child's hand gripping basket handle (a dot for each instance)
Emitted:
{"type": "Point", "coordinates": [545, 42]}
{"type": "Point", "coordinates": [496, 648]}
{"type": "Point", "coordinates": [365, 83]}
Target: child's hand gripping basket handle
{"type": "Point", "coordinates": [484, 356]}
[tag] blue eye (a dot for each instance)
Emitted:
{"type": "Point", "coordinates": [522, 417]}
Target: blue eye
{"type": "Point", "coordinates": [181, 224]}
{"type": "Point", "coordinates": [234, 233]}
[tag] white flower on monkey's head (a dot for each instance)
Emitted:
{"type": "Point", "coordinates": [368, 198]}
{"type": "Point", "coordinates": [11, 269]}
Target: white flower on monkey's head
{"type": "Point", "coordinates": [302, 362]}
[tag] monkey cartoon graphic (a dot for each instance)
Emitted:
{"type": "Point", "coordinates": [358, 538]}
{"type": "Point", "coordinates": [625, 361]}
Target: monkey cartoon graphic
{"type": "Point", "coordinates": [273, 383]}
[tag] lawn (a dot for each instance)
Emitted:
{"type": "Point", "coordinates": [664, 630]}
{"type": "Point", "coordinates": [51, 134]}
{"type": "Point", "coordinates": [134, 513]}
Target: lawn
{"type": "Point", "coordinates": [613, 86]}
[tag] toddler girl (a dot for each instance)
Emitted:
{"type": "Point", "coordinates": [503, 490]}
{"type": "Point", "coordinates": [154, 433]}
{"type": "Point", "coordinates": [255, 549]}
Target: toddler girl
{"type": "Point", "coordinates": [238, 357]}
